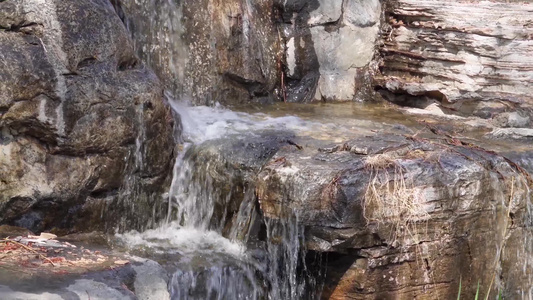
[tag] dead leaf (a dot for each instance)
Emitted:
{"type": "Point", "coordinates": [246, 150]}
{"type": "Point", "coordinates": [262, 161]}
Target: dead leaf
{"type": "Point", "coordinates": [122, 262]}
{"type": "Point", "coordinates": [47, 236]}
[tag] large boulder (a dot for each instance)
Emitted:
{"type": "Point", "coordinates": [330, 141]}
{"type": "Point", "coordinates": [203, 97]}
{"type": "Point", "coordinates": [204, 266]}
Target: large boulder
{"type": "Point", "coordinates": [86, 138]}
{"type": "Point", "coordinates": [392, 213]}
{"type": "Point", "coordinates": [404, 218]}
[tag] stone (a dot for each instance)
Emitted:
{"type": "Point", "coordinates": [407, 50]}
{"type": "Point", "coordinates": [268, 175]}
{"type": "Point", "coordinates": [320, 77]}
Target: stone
{"type": "Point", "coordinates": [328, 11]}
{"type": "Point", "coordinates": [383, 249]}
{"type": "Point", "coordinates": [209, 51]}
{"type": "Point", "coordinates": [390, 211]}
{"type": "Point", "coordinates": [238, 52]}
{"type": "Point", "coordinates": [342, 55]}
{"type": "Point", "coordinates": [337, 56]}
{"type": "Point", "coordinates": [89, 289]}
{"type": "Point", "coordinates": [83, 124]}
{"type": "Point", "coordinates": [511, 133]}
{"type": "Point", "coordinates": [431, 48]}
{"type": "Point", "coordinates": [151, 281]}
{"type": "Point", "coordinates": [9, 294]}
{"type": "Point", "coordinates": [362, 13]}
{"type": "Point", "coordinates": [513, 119]}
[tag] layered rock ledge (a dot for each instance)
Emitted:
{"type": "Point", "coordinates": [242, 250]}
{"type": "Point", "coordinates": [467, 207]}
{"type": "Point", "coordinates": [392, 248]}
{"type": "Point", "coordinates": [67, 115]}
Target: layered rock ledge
{"type": "Point", "coordinates": [470, 57]}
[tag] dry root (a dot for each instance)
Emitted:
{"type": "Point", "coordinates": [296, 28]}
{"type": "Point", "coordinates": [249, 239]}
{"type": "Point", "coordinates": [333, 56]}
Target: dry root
{"type": "Point", "coordinates": [391, 198]}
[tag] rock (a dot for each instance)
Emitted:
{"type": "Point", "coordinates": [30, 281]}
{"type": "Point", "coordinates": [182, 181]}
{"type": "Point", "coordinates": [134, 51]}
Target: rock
{"type": "Point", "coordinates": [475, 65]}
{"type": "Point", "coordinates": [389, 214]}
{"type": "Point", "coordinates": [338, 53]}
{"type": "Point", "coordinates": [208, 51]}
{"type": "Point", "coordinates": [513, 119]}
{"type": "Point", "coordinates": [9, 294]}
{"type": "Point", "coordinates": [511, 133]}
{"type": "Point", "coordinates": [89, 289]}
{"type": "Point", "coordinates": [83, 125]}
{"type": "Point", "coordinates": [327, 12]}
{"type": "Point", "coordinates": [401, 223]}
{"type": "Point", "coordinates": [62, 270]}
{"type": "Point", "coordinates": [151, 281]}
{"type": "Point", "coordinates": [238, 52]}
{"type": "Point", "coordinates": [12, 231]}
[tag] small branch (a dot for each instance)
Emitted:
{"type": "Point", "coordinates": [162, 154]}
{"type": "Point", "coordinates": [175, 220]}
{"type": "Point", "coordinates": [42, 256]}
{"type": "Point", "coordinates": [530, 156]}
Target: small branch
{"type": "Point", "coordinates": [6, 240]}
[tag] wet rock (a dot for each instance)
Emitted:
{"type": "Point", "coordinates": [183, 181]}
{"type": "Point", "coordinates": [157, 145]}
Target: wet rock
{"type": "Point", "coordinates": [402, 222]}
{"type": "Point", "coordinates": [38, 268]}
{"type": "Point", "coordinates": [209, 51]}
{"type": "Point", "coordinates": [223, 170]}
{"type": "Point", "coordinates": [237, 52]}
{"type": "Point", "coordinates": [475, 66]}
{"type": "Point", "coordinates": [150, 281]}
{"type": "Point", "coordinates": [84, 132]}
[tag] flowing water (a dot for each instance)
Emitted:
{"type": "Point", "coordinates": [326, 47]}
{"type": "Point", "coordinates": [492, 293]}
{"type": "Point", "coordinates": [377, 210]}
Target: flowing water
{"type": "Point", "coordinates": [213, 251]}
{"type": "Point", "coordinates": [207, 264]}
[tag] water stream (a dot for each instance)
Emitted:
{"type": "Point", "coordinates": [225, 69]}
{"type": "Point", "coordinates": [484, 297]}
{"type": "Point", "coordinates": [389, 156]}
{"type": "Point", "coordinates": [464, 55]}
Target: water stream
{"type": "Point", "coordinates": [211, 260]}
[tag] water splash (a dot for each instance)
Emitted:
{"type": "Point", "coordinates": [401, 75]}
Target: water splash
{"type": "Point", "coordinates": [212, 260]}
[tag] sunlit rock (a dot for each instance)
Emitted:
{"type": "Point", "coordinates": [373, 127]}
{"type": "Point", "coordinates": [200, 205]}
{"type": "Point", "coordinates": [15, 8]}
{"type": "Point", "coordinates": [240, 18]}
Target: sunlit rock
{"type": "Point", "coordinates": [83, 123]}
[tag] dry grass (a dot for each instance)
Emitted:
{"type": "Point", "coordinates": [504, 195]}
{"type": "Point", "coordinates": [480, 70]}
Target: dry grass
{"type": "Point", "coordinates": [391, 198]}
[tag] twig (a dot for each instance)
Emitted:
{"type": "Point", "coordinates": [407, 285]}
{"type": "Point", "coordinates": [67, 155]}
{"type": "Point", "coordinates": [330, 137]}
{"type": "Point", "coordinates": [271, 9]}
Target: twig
{"type": "Point", "coordinates": [6, 240]}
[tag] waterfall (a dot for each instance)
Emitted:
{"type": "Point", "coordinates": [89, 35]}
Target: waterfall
{"type": "Point", "coordinates": [216, 257]}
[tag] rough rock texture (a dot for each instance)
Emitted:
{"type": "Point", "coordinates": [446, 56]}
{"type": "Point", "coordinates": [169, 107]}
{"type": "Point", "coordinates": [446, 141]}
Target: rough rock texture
{"type": "Point", "coordinates": [209, 51]}
{"type": "Point", "coordinates": [329, 47]}
{"type": "Point", "coordinates": [239, 51]}
{"type": "Point", "coordinates": [392, 216]}
{"type": "Point", "coordinates": [406, 219]}
{"type": "Point", "coordinates": [473, 57]}
{"type": "Point", "coordinates": [85, 137]}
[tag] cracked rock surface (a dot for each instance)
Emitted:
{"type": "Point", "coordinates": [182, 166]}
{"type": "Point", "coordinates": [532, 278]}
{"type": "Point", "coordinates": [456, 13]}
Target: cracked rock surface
{"type": "Point", "coordinates": [470, 57]}
{"type": "Point", "coordinates": [84, 131]}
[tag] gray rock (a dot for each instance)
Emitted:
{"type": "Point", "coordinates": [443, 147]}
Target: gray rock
{"type": "Point", "coordinates": [151, 281]}
{"type": "Point", "coordinates": [8, 294]}
{"type": "Point", "coordinates": [511, 133]}
{"type": "Point", "coordinates": [328, 11]}
{"type": "Point", "coordinates": [82, 121]}
{"type": "Point", "coordinates": [86, 289]}
{"type": "Point", "coordinates": [362, 13]}
{"type": "Point", "coordinates": [342, 55]}
{"type": "Point", "coordinates": [513, 119]}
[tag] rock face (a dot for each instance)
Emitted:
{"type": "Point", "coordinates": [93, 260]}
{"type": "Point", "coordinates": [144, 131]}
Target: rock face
{"type": "Point", "coordinates": [84, 131]}
{"type": "Point", "coordinates": [472, 57]}
{"type": "Point", "coordinates": [392, 215]}
{"type": "Point", "coordinates": [402, 219]}
{"type": "Point", "coordinates": [240, 51]}
{"type": "Point", "coordinates": [302, 51]}
{"type": "Point", "coordinates": [209, 51]}
{"type": "Point", "coordinates": [329, 47]}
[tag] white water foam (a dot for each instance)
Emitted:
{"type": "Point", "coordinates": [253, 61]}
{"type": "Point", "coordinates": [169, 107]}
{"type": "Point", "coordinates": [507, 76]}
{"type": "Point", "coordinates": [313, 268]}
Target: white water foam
{"type": "Point", "coordinates": [171, 237]}
{"type": "Point", "coordinates": [202, 123]}
{"type": "Point", "coordinates": [190, 234]}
